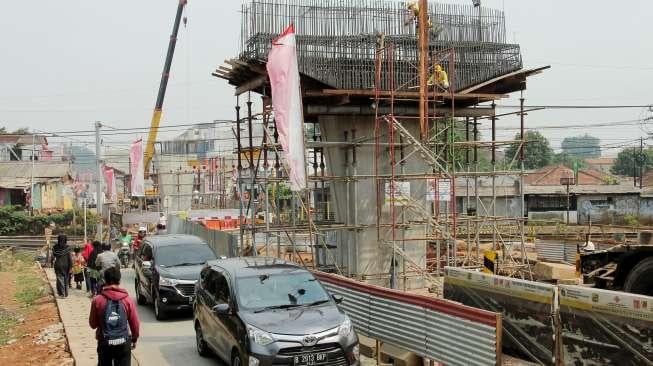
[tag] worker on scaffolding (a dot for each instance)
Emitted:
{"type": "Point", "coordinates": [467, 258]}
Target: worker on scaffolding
{"type": "Point", "coordinates": [439, 77]}
{"type": "Point", "coordinates": [413, 7]}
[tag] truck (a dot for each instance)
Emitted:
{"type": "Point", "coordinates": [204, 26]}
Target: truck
{"type": "Point", "coordinates": [624, 267]}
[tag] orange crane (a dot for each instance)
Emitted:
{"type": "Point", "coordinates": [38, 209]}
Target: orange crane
{"type": "Point", "coordinates": [158, 107]}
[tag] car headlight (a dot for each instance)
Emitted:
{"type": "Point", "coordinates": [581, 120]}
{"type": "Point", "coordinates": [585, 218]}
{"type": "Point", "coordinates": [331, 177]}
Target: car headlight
{"type": "Point", "coordinates": [259, 337]}
{"type": "Point", "coordinates": [346, 327]}
{"type": "Point", "coordinates": [164, 281]}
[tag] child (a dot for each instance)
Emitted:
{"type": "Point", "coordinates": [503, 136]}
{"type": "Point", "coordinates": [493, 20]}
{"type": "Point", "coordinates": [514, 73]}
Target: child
{"type": "Point", "coordinates": [78, 267]}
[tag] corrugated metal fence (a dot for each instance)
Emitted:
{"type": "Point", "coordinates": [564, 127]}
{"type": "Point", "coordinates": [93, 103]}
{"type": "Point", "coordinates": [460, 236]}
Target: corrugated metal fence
{"type": "Point", "coordinates": [555, 251]}
{"type": "Point", "coordinates": [440, 330]}
{"type": "Point", "coordinates": [221, 242]}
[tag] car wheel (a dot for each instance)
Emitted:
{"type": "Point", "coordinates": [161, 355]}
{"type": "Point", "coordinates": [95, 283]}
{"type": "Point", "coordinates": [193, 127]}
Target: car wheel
{"type": "Point", "coordinates": [159, 313]}
{"type": "Point", "coordinates": [202, 347]}
{"type": "Point", "coordinates": [140, 299]}
{"type": "Point", "coordinates": [235, 359]}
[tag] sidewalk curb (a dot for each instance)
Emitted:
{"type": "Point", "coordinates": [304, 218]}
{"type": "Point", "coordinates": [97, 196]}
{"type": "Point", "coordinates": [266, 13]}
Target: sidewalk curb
{"type": "Point", "coordinates": [65, 331]}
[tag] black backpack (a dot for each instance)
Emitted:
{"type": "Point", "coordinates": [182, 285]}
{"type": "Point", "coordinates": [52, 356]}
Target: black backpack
{"type": "Point", "coordinates": [115, 327]}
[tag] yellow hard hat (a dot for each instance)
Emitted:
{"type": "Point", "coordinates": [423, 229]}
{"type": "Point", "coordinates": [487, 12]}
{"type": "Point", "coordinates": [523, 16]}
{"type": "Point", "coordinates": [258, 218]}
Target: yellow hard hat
{"type": "Point", "coordinates": [413, 5]}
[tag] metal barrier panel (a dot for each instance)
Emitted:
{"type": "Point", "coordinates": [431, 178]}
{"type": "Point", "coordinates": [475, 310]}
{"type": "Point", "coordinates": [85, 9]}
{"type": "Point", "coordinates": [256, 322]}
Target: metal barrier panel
{"type": "Point", "coordinates": [221, 242]}
{"type": "Point", "coordinates": [601, 327]}
{"type": "Point", "coordinates": [527, 308]}
{"type": "Point", "coordinates": [437, 329]}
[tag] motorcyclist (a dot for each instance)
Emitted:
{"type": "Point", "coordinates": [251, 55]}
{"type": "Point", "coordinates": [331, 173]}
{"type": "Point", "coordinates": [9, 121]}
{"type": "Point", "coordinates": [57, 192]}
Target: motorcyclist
{"type": "Point", "coordinates": [125, 249]}
{"type": "Point", "coordinates": [142, 232]}
{"type": "Point", "coordinates": [125, 236]}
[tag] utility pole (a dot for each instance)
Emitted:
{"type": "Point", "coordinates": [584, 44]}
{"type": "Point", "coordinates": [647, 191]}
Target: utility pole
{"type": "Point", "coordinates": [85, 236]}
{"type": "Point", "coordinates": [423, 66]}
{"type": "Point", "coordinates": [634, 167]}
{"type": "Point", "coordinates": [98, 186]}
{"type": "Point", "coordinates": [31, 184]}
{"type": "Point", "coordinates": [641, 161]}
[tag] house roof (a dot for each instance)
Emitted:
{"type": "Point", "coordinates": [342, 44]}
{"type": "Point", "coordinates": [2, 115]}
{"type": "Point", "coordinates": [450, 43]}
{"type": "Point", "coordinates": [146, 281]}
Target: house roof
{"type": "Point", "coordinates": [22, 139]}
{"type": "Point", "coordinates": [600, 161]}
{"type": "Point", "coordinates": [18, 174]}
{"type": "Point", "coordinates": [550, 176]}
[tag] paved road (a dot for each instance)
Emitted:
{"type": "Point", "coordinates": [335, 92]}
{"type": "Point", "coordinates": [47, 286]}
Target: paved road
{"type": "Point", "coordinates": [168, 342]}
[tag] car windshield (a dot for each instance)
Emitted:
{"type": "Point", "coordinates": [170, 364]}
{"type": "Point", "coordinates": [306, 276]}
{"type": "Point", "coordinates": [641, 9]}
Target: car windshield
{"type": "Point", "coordinates": [183, 254]}
{"type": "Point", "coordinates": [279, 290]}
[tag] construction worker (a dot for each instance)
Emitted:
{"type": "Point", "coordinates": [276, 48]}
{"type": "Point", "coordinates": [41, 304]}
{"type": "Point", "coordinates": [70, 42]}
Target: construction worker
{"type": "Point", "coordinates": [439, 77]}
{"type": "Point", "coordinates": [413, 6]}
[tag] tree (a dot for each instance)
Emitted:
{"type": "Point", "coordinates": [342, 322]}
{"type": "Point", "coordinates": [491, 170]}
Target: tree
{"type": "Point", "coordinates": [630, 159]}
{"type": "Point", "coordinates": [584, 146]}
{"type": "Point", "coordinates": [537, 154]}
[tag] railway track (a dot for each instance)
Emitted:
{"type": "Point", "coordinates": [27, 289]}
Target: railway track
{"type": "Point", "coordinates": [30, 243]}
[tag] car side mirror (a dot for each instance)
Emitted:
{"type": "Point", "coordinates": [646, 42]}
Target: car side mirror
{"type": "Point", "coordinates": [337, 298]}
{"type": "Point", "coordinates": [222, 309]}
{"type": "Point", "coordinates": [147, 265]}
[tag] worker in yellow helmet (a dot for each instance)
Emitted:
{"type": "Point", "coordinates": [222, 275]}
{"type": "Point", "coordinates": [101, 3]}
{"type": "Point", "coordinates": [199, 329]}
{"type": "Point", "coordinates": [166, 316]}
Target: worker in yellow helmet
{"type": "Point", "coordinates": [413, 6]}
{"type": "Point", "coordinates": [439, 77]}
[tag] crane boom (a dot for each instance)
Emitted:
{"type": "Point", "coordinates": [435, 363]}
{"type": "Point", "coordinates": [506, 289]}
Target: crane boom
{"type": "Point", "coordinates": [158, 107]}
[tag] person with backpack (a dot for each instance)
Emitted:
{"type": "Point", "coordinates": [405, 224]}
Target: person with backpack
{"type": "Point", "coordinates": [115, 320]}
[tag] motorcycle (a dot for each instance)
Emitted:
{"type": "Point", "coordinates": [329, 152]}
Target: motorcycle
{"type": "Point", "coordinates": [124, 253]}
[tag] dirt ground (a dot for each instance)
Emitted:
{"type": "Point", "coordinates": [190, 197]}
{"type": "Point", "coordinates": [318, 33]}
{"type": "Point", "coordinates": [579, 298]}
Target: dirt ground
{"type": "Point", "coordinates": [35, 333]}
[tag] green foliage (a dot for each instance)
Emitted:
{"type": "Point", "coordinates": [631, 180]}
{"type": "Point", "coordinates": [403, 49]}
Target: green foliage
{"type": "Point", "coordinates": [284, 192]}
{"type": "Point", "coordinates": [631, 220]}
{"type": "Point", "coordinates": [568, 160]}
{"type": "Point", "coordinates": [610, 180]}
{"type": "Point", "coordinates": [538, 152]}
{"type": "Point", "coordinates": [630, 159]}
{"type": "Point", "coordinates": [584, 146]}
{"type": "Point", "coordinates": [14, 221]}
{"type": "Point", "coordinates": [7, 323]}
{"type": "Point", "coordinates": [30, 288]}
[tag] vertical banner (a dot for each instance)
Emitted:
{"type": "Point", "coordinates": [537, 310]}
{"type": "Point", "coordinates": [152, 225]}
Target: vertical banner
{"type": "Point", "coordinates": [444, 190]}
{"type": "Point", "coordinates": [287, 102]}
{"type": "Point", "coordinates": [136, 169]}
{"type": "Point", "coordinates": [438, 189]}
{"type": "Point", "coordinates": [110, 179]}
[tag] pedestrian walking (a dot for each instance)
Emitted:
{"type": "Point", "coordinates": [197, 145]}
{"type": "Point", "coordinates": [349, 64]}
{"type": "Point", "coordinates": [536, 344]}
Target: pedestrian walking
{"type": "Point", "coordinates": [115, 320]}
{"type": "Point", "coordinates": [62, 263]}
{"type": "Point", "coordinates": [79, 264]}
{"type": "Point", "coordinates": [105, 260]}
{"type": "Point", "coordinates": [86, 253]}
{"type": "Point", "coordinates": [93, 271]}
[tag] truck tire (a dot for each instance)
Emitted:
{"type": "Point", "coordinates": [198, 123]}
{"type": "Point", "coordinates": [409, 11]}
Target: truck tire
{"type": "Point", "coordinates": [640, 278]}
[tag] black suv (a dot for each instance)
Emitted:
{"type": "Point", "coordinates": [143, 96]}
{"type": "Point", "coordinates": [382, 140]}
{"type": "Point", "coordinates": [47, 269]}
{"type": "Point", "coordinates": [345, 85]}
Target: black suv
{"type": "Point", "coordinates": [167, 267]}
{"type": "Point", "coordinates": [265, 311]}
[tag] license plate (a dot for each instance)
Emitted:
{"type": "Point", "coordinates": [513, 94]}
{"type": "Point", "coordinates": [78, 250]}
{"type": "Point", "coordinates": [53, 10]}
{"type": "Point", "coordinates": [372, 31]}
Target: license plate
{"type": "Point", "coordinates": [308, 359]}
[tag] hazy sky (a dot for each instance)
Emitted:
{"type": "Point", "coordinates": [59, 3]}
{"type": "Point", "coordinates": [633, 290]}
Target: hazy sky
{"type": "Point", "coordinates": [68, 63]}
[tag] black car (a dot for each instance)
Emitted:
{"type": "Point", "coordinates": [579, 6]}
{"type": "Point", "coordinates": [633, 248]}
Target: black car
{"type": "Point", "coordinates": [265, 311]}
{"type": "Point", "coordinates": [167, 268]}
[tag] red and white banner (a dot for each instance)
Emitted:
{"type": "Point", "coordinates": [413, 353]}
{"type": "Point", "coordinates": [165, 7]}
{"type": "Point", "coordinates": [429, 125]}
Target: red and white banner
{"type": "Point", "coordinates": [136, 169]}
{"type": "Point", "coordinates": [287, 102]}
{"type": "Point", "coordinates": [110, 178]}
